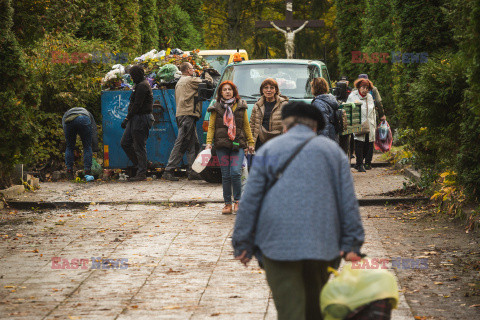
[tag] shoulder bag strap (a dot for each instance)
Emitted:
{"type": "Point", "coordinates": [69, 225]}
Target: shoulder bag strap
{"type": "Point", "coordinates": [366, 104]}
{"type": "Point", "coordinates": [279, 172]}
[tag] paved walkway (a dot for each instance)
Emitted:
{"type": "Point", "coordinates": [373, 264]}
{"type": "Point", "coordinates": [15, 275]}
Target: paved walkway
{"type": "Point", "coordinates": [180, 263]}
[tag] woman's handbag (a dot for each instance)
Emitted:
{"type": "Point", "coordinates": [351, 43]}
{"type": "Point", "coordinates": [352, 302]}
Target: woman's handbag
{"type": "Point", "coordinates": [365, 129]}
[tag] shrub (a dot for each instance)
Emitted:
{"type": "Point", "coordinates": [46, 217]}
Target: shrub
{"type": "Point", "coordinates": [17, 134]}
{"type": "Point", "coordinates": [62, 83]}
{"type": "Point", "coordinates": [437, 97]}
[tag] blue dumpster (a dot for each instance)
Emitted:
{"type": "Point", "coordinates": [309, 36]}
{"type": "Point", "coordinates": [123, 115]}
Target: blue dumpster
{"type": "Point", "coordinates": [162, 134]}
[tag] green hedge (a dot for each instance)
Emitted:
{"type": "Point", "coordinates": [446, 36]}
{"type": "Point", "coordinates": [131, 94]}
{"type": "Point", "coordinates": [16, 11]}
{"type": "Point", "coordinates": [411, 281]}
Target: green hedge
{"type": "Point", "coordinates": [349, 34]}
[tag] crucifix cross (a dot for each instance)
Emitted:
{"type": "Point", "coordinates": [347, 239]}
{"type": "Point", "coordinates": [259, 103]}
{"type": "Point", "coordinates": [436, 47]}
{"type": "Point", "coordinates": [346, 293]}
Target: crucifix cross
{"type": "Point", "coordinates": [289, 24]}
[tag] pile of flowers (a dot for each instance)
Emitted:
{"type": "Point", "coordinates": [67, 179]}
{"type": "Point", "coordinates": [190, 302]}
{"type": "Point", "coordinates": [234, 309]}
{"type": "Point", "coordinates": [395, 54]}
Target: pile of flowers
{"type": "Point", "coordinates": [161, 69]}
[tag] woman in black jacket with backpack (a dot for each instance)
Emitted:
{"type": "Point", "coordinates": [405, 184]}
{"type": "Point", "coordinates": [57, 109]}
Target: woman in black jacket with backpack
{"type": "Point", "coordinates": [327, 104]}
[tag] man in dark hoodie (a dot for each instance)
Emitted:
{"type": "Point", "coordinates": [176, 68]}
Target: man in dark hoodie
{"type": "Point", "coordinates": [138, 122]}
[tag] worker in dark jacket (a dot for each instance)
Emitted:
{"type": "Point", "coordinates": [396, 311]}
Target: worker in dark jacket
{"type": "Point", "coordinates": [79, 121]}
{"type": "Point", "coordinates": [138, 122]}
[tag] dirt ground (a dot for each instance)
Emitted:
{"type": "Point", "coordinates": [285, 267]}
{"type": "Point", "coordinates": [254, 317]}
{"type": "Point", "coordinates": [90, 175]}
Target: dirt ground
{"type": "Point", "coordinates": [450, 287]}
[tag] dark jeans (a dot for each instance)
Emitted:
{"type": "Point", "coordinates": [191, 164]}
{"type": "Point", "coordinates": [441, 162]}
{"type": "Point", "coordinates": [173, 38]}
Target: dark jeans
{"type": "Point", "coordinates": [134, 141]}
{"type": "Point", "coordinates": [296, 286]}
{"type": "Point", "coordinates": [187, 141]}
{"type": "Point", "coordinates": [81, 125]}
{"type": "Point", "coordinates": [364, 151]}
{"type": "Point", "coordinates": [231, 168]}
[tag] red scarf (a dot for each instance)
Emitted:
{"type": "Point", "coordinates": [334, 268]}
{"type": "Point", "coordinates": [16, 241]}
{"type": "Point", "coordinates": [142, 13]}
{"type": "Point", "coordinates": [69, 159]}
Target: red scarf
{"type": "Point", "coordinates": [228, 117]}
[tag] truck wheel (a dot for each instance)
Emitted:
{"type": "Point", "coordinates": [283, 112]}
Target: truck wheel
{"type": "Point", "coordinates": [212, 175]}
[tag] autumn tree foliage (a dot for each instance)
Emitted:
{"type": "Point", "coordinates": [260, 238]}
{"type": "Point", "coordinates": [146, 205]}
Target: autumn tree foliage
{"type": "Point", "coordinates": [148, 24]}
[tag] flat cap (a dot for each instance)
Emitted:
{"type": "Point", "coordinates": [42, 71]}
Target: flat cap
{"type": "Point", "coordinates": [302, 109]}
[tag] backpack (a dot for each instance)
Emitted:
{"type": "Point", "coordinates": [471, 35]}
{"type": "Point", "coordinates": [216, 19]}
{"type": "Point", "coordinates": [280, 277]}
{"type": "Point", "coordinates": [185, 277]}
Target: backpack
{"type": "Point", "coordinates": [339, 119]}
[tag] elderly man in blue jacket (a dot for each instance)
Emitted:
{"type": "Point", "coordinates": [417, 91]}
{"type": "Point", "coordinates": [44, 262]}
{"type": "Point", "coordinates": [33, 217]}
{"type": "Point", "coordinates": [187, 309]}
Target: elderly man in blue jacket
{"type": "Point", "coordinates": [306, 220]}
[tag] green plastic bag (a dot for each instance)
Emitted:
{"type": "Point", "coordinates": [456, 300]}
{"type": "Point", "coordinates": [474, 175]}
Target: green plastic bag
{"type": "Point", "coordinates": [353, 288]}
{"type": "Point", "coordinates": [167, 72]}
{"type": "Point", "coordinates": [96, 168]}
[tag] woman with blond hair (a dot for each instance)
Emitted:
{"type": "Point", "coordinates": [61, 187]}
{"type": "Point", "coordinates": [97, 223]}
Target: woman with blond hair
{"type": "Point", "coordinates": [229, 130]}
{"type": "Point", "coordinates": [327, 104]}
{"type": "Point", "coordinates": [266, 117]}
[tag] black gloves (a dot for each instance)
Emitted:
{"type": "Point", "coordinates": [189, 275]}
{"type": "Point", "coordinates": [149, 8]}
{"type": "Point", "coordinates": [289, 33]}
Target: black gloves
{"type": "Point", "coordinates": [124, 123]}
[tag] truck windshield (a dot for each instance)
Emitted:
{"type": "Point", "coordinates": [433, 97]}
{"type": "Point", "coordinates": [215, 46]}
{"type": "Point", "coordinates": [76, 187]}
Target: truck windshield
{"type": "Point", "coordinates": [293, 79]}
{"type": "Point", "coordinates": [217, 62]}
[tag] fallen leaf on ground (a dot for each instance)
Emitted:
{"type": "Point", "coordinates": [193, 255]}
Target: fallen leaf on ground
{"type": "Point", "coordinates": [171, 307]}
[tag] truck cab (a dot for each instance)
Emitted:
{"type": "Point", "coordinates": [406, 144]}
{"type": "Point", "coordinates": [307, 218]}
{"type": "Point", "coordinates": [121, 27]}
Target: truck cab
{"type": "Point", "coordinates": [219, 59]}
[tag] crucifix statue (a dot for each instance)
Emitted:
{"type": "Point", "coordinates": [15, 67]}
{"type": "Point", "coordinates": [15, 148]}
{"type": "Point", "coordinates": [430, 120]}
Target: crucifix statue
{"type": "Point", "coordinates": [289, 38]}
{"type": "Point", "coordinates": [289, 24]}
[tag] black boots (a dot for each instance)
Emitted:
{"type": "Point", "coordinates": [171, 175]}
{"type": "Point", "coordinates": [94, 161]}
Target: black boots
{"type": "Point", "coordinates": [70, 174]}
{"type": "Point", "coordinates": [192, 175]}
{"type": "Point", "coordinates": [168, 175]}
{"type": "Point", "coordinates": [360, 168]}
{"type": "Point", "coordinates": [140, 177]}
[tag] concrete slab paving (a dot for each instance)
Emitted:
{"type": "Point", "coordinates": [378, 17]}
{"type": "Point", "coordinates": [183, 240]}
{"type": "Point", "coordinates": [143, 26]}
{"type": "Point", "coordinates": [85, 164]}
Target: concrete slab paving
{"type": "Point", "coordinates": [180, 260]}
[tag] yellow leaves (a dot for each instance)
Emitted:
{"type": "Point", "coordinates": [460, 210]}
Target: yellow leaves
{"type": "Point", "coordinates": [443, 175]}
{"type": "Point", "coordinates": [436, 195]}
{"type": "Point", "coordinates": [171, 307]}
{"type": "Point", "coordinates": [450, 194]}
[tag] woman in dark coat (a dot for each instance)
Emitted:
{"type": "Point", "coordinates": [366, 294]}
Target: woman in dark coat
{"type": "Point", "coordinates": [327, 104]}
